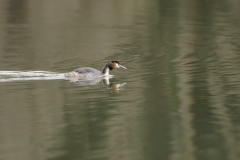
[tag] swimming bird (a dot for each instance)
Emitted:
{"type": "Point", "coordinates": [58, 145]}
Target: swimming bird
{"type": "Point", "coordinates": [90, 73]}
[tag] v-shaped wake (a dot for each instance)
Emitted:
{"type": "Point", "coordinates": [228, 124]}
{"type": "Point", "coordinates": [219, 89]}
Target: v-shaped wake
{"type": "Point", "coordinates": [6, 76]}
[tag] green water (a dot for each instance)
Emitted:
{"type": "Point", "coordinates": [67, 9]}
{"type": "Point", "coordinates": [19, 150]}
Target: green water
{"type": "Point", "coordinates": [180, 101]}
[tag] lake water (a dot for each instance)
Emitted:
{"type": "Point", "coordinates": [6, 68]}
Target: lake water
{"type": "Point", "coordinates": [179, 99]}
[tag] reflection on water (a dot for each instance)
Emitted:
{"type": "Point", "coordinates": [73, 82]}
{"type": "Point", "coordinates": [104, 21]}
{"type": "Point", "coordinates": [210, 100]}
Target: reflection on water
{"type": "Point", "coordinates": [115, 87]}
{"type": "Point", "coordinates": [182, 95]}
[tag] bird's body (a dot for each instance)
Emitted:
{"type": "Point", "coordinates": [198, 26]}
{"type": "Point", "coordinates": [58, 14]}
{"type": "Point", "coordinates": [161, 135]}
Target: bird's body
{"type": "Point", "coordinates": [90, 73]}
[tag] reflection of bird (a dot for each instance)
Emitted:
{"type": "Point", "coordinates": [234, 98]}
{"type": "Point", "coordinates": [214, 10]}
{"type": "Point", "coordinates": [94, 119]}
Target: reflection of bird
{"type": "Point", "coordinates": [116, 87]}
{"type": "Point", "coordinates": [90, 73]}
{"type": "Point", "coordinates": [112, 86]}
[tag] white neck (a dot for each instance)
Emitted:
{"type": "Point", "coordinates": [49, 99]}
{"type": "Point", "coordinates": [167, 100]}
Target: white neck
{"type": "Point", "coordinates": [105, 70]}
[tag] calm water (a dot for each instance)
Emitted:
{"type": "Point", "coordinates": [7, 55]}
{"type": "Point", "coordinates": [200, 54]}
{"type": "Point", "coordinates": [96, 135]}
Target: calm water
{"type": "Point", "coordinates": [178, 100]}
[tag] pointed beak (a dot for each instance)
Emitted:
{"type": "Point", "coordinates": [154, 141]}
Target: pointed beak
{"type": "Point", "coordinates": [122, 66]}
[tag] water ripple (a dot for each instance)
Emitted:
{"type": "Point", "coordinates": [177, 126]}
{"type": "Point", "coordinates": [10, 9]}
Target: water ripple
{"type": "Point", "coordinates": [6, 76]}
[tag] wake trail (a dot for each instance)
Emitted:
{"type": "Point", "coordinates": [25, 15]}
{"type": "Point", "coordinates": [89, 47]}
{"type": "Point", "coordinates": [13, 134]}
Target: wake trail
{"type": "Point", "coordinates": [6, 76]}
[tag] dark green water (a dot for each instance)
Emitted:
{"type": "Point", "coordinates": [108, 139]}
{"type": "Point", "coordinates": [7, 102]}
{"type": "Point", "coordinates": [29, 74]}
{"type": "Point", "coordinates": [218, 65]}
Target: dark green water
{"type": "Point", "coordinates": [181, 100]}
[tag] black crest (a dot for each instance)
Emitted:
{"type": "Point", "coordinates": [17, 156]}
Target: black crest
{"type": "Point", "coordinates": [115, 61]}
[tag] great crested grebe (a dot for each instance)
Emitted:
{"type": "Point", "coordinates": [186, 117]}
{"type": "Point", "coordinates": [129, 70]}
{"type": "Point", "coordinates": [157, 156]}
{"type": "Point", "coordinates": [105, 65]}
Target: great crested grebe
{"type": "Point", "coordinates": [89, 73]}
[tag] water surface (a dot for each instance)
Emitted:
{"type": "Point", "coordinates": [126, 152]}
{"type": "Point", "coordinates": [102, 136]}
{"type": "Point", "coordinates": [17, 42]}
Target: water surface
{"type": "Point", "coordinates": [178, 99]}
